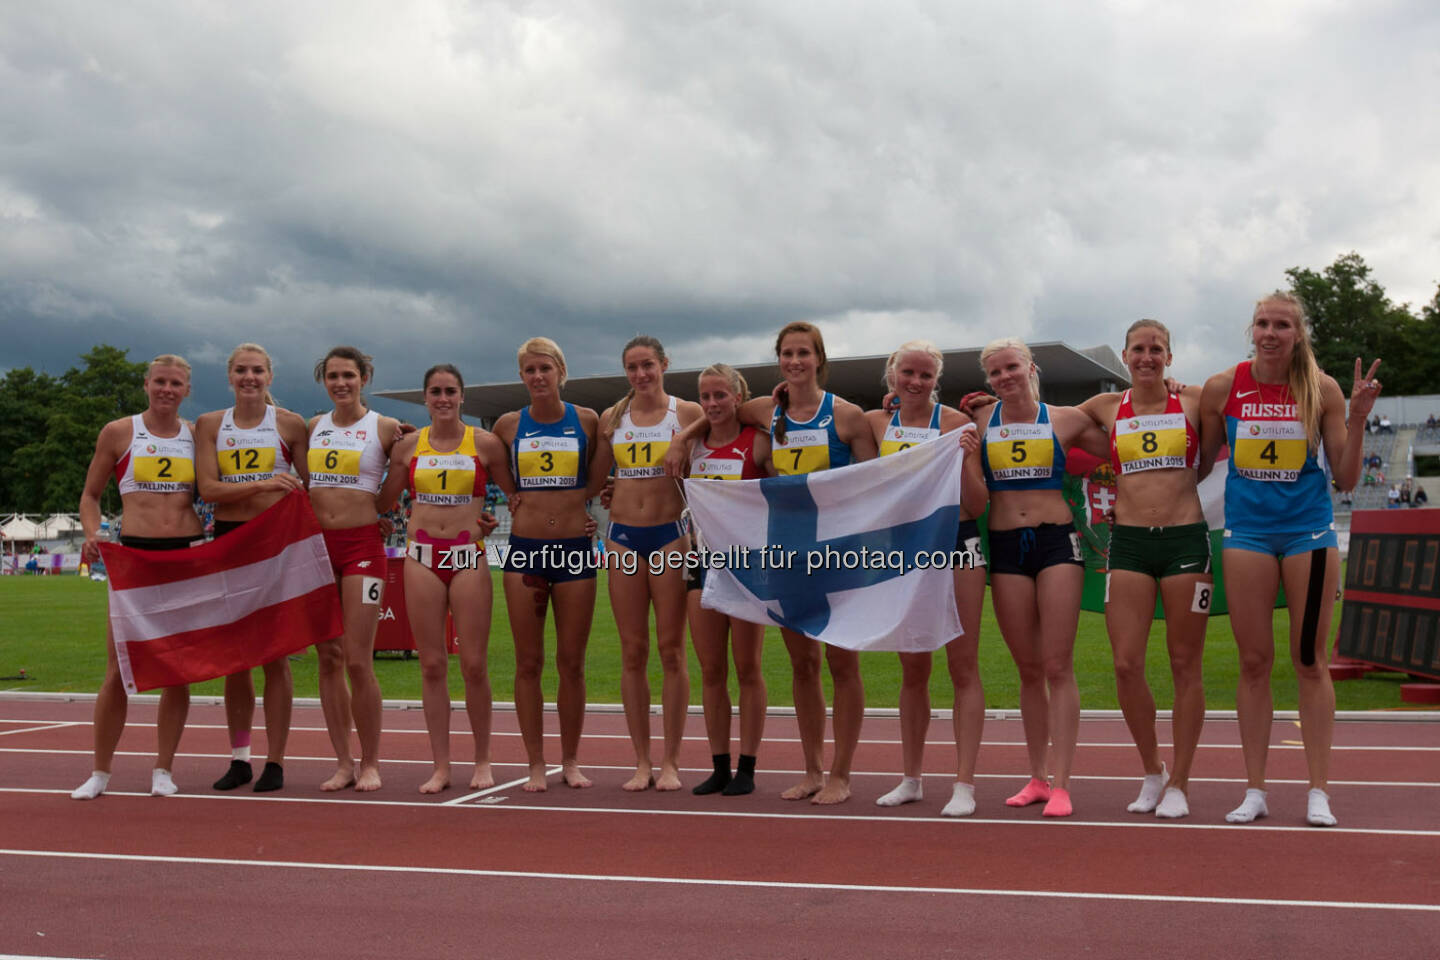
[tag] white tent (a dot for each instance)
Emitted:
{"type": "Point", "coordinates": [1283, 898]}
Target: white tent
{"type": "Point", "coordinates": [19, 528]}
{"type": "Point", "coordinates": [58, 526]}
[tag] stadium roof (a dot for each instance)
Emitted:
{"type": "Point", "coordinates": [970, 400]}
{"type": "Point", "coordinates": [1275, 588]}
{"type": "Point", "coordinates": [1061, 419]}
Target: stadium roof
{"type": "Point", "coordinates": [1067, 375]}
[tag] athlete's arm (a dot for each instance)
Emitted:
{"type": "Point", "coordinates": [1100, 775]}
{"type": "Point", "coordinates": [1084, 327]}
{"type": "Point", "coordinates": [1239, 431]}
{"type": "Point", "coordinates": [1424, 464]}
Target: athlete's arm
{"type": "Point", "coordinates": [297, 438]}
{"type": "Point", "coordinates": [1101, 409]}
{"type": "Point", "coordinates": [1212, 419]}
{"type": "Point", "coordinates": [603, 460]}
{"type": "Point", "coordinates": [397, 473]}
{"type": "Point", "coordinates": [853, 430]}
{"type": "Point", "coordinates": [114, 436]}
{"type": "Point", "coordinates": [1344, 437]}
{"type": "Point", "coordinates": [496, 457]}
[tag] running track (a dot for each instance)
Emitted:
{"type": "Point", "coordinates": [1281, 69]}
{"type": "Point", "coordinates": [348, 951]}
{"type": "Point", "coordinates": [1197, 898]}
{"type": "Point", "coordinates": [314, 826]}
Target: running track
{"type": "Point", "coordinates": [598, 872]}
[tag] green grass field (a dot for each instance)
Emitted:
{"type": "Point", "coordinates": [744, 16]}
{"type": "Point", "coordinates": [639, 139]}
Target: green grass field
{"type": "Point", "coordinates": [53, 628]}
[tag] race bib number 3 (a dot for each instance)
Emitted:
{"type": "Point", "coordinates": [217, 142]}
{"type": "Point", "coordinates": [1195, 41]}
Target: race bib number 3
{"type": "Point", "coordinates": [1269, 450]}
{"type": "Point", "coordinates": [548, 462]}
{"type": "Point", "coordinates": [164, 474]}
{"type": "Point", "coordinates": [244, 464]}
{"type": "Point", "coordinates": [1020, 451]}
{"type": "Point", "coordinates": [804, 451]}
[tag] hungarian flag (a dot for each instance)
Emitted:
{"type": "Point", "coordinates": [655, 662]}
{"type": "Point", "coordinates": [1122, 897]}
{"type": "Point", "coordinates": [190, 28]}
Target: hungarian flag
{"type": "Point", "coordinates": [261, 592]}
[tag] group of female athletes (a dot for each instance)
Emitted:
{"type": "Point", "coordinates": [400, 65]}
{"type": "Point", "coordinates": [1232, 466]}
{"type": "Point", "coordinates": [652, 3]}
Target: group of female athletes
{"type": "Point", "coordinates": [1282, 418]}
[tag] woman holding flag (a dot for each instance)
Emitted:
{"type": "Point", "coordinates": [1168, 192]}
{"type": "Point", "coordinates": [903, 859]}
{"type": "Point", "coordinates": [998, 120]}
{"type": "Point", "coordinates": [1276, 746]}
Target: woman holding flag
{"type": "Point", "coordinates": [445, 467]}
{"type": "Point", "coordinates": [349, 449]}
{"type": "Point", "coordinates": [809, 429]}
{"type": "Point", "coordinates": [1280, 414]}
{"type": "Point", "coordinates": [730, 452]}
{"type": "Point", "coordinates": [645, 512]}
{"type": "Point", "coordinates": [243, 459]}
{"type": "Point", "coordinates": [1035, 552]}
{"type": "Point", "coordinates": [152, 456]}
{"type": "Point", "coordinates": [912, 375]}
{"type": "Point", "coordinates": [551, 444]}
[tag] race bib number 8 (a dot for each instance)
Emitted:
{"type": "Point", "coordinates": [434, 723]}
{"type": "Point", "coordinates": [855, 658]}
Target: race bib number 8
{"type": "Point", "coordinates": [1269, 450]}
{"type": "Point", "coordinates": [1151, 442]}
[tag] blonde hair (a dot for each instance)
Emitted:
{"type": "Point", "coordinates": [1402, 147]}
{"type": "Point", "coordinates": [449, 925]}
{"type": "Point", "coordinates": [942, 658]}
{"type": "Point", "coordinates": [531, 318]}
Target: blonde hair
{"type": "Point", "coordinates": [269, 366]}
{"type": "Point", "coordinates": [1144, 323]}
{"type": "Point", "coordinates": [543, 347]}
{"type": "Point", "coordinates": [641, 340]}
{"type": "Point", "coordinates": [730, 375]}
{"type": "Point", "coordinates": [1305, 373]}
{"type": "Point", "coordinates": [915, 346]}
{"type": "Point", "coordinates": [1018, 345]}
{"type": "Point", "coordinates": [168, 360]}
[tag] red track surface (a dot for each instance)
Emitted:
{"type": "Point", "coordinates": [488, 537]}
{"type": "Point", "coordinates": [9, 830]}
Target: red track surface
{"type": "Point", "coordinates": [600, 872]}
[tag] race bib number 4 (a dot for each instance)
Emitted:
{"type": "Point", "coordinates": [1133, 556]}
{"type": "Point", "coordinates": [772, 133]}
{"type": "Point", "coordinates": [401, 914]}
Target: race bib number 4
{"type": "Point", "coordinates": [548, 462]}
{"type": "Point", "coordinates": [804, 451]}
{"type": "Point", "coordinates": [1020, 451]}
{"type": "Point", "coordinates": [1269, 450]}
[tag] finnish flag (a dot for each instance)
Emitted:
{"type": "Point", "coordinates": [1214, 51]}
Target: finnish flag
{"type": "Point", "coordinates": [861, 556]}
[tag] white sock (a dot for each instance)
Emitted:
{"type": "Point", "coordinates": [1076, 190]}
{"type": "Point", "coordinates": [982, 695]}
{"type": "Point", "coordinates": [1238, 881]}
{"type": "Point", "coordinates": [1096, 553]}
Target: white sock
{"type": "Point", "coordinates": [962, 801]}
{"type": "Point", "coordinates": [1173, 805]}
{"type": "Point", "coordinates": [1317, 812]}
{"type": "Point", "coordinates": [1251, 808]}
{"type": "Point", "coordinates": [909, 790]}
{"type": "Point", "coordinates": [161, 783]}
{"type": "Point", "coordinates": [240, 753]}
{"type": "Point", "coordinates": [1150, 789]}
{"type": "Point", "coordinates": [93, 787]}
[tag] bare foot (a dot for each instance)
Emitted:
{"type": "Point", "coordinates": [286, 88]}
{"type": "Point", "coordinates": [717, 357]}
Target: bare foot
{"type": "Point", "coordinates": [835, 791]}
{"type": "Point", "coordinates": [642, 780]}
{"type": "Point", "coordinates": [439, 780]}
{"type": "Point", "coordinates": [369, 778]}
{"type": "Point", "coordinates": [669, 778]}
{"type": "Point", "coordinates": [342, 778]}
{"type": "Point", "coordinates": [573, 777]}
{"type": "Point", "coordinates": [483, 778]}
{"type": "Point", "coordinates": [536, 783]}
{"type": "Point", "coordinates": [805, 788]}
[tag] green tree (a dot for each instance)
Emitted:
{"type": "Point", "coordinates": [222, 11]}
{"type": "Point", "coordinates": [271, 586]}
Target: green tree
{"type": "Point", "coordinates": [50, 424]}
{"type": "Point", "coordinates": [1352, 316]}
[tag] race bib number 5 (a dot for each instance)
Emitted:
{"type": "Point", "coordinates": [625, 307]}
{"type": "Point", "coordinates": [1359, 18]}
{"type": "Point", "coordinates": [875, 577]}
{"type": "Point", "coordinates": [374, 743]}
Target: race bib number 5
{"type": "Point", "coordinates": [1020, 451]}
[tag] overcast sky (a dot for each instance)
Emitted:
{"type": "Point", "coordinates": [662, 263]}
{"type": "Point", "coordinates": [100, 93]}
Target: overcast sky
{"type": "Point", "coordinates": [439, 180]}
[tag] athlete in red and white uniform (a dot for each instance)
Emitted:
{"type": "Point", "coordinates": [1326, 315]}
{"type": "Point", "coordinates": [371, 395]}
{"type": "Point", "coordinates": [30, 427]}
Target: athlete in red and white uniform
{"type": "Point", "coordinates": [243, 459]}
{"type": "Point", "coordinates": [445, 466]}
{"type": "Point", "coordinates": [349, 449]}
{"type": "Point", "coordinates": [152, 457]}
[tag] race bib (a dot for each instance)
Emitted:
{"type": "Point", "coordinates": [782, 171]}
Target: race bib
{"type": "Point", "coordinates": [716, 468]}
{"type": "Point", "coordinates": [164, 471]}
{"type": "Point", "coordinates": [1152, 442]}
{"type": "Point", "coordinates": [897, 439]}
{"type": "Point", "coordinates": [640, 451]}
{"type": "Point", "coordinates": [335, 462]}
{"type": "Point", "coordinates": [1269, 450]}
{"type": "Point", "coordinates": [444, 479]}
{"type": "Point", "coordinates": [548, 462]}
{"type": "Point", "coordinates": [1020, 451]}
{"type": "Point", "coordinates": [804, 451]}
{"type": "Point", "coordinates": [244, 463]}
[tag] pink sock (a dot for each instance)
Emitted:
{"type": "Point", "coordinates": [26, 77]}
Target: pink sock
{"type": "Point", "coordinates": [1036, 791]}
{"type": "Point", "coordinates": [1059, 805]}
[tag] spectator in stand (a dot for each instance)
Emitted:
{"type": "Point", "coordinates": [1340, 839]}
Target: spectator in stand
{"type": "Point", "coordinates": [1385, 425]}
{"type": "Point", "coordinates": [1394, 496]}
{"type": "Point", "coordinates": [1420, 499]}
{"type": "Point", "coordinates": [1405, 491]}
{"type": "Point", "coordinates": [1375, 423]}
{"type": "Point", "coordinates": [1431, 423]}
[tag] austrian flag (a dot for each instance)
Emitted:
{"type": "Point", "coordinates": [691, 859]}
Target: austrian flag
{"type": "Point", "coordinates": [261, 592]}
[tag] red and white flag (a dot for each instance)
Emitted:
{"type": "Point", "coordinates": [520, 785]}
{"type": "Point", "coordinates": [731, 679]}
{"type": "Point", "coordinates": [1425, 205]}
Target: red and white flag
{"type": "Point", "coordinates": [263, 591]}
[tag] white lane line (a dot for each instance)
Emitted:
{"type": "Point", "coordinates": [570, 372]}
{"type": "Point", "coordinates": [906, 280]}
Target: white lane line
{"type": "Point", "coordinates": [752, 884]}
{"type": "Point", "coordinates": [1123, 778]}
{"type": "Point", "coordinates": [1143, 823]}
{"type": "Point", "coordinates": [497, 788]}
{"type": "Point", "coordinates": [47, 725]}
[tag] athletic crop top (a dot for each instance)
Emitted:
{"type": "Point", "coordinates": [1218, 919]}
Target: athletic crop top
{"type": "Point", "coordinates": [549, 456]}
{"type": "Point", "coordinates": [809, 446]}
{"type": "Point", "coordinates": [157, 464]}
{"type": "Point", "coordinates": [640, 451]}
{"type": "Point", "coordinates": [1022, 456]}
{"type": "Point", "coordinates": [1275, 481]}
{"type": "Point", "coordinates": [349, 458]}
{"type": "Point", "coordinates": [897, 438]}
{"type": "Point", "coordinates": [1152, 441]}
{"type": "Point", "coordinates": [251, 454]}
{"type": "Point", "coordinates": [730, 461]}
{"type": "Point", "coordinates": [446, 478]}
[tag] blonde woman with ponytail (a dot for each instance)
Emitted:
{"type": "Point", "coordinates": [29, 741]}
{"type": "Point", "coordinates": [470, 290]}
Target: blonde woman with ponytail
{"type": "Point", "coordinates": [1283, 419]}
{"type": "Point", "coordinates": [645, 525]}
{"type": "Point", "coordinates": [243, 461]}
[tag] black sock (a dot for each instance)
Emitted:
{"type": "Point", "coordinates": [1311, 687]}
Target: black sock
{"type": "Point", "coordinates": [744, 781]}
{"type": "Point", "coordinates": [271, 778]}
{"type": "Point", "coordinates": [717, 780]}
{"type": "Point", "coordinates": [238, 773]}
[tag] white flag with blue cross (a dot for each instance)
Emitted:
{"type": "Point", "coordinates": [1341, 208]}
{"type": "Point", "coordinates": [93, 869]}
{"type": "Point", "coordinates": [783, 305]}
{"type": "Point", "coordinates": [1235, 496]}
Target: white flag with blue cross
{"type": "Point", "coordinates": [861, 557]}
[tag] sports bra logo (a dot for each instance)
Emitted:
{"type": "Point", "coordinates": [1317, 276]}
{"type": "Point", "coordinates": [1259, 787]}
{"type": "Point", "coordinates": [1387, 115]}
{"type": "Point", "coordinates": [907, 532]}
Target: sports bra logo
{"type": "Point", "coordinates": [825, 422]}
{"type": "Point", "coordinates": [1004, 433]}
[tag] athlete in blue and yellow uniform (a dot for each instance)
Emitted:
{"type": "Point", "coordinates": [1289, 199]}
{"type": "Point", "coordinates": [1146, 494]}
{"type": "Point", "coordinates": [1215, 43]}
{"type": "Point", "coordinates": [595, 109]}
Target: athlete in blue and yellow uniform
{"type": "Point", "coordinates": [913, 375]}
{"type": "Point", "coordinates": [1035, 552]}
{"type": "Point", "coordinates": [1279, 412]}
{"type": "Point", "coordinates": [645, 513]}
{"type": "Point", "coordinates": [550, 557]}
